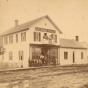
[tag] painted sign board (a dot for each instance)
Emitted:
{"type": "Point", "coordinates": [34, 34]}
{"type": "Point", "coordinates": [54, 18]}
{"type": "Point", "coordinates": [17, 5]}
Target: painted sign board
{"type": "Point", "coordinates": [45, 30]}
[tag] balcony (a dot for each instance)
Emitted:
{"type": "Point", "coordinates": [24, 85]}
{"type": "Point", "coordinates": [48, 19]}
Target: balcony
{"type": "Point", "coordinates": [46, 41]}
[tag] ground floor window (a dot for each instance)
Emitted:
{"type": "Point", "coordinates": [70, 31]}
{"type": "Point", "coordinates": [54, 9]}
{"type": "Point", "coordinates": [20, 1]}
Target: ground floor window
{"type": "Point", "coordinates": [65, 55]}
{"type": "Point", "coordinates": [81, 55]}
{"type": "Point", "coordinates": [10, 55]}
{"type": "Point", "coordinates": [20, 55]}
{"type": "Point", "coordinates": [44, 56]}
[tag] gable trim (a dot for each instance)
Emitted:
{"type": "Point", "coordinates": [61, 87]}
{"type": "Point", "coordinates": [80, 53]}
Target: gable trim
{"type": "Point", "coordinates": [54, 24]}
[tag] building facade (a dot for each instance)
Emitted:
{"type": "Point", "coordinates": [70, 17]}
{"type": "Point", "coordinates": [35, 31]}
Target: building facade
{"type": "Point", "coordinates": [32, 41]}
{"type": "Point", "coordinates": [38, 43]}
{"type": "Point", "coordinates": [73, 52]}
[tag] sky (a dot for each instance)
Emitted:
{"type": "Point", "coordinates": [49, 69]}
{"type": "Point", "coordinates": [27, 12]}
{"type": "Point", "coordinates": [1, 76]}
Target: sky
{"type": "Point", "coordinates": [71, 16]}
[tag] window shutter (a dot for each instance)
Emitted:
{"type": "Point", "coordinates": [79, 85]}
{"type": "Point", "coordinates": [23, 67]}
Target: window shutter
{"type": "Point", "coordinates": [21, 37]}
{"type": "Point", "coordinates": [11, 55]}
{"type": "Point", "coordinates": [52, 36]}
{"type": "Point", "coordinates": [19, 55]}
{"type": "Point", "coordinates": [24, 36]}
{"type": "Point", "coordinates": [22, 55]}
{"type": "Point", "coordinates": [12, 38]}
{"type": "Point", "coordinates": [39, 36]}
{"type": "Point", "coordinates": [16, 37]}
{"type": "Point", "coordinates": [2, 41]}
{"type": "Point", "coordinates": [34, 36]}
{"type": "Point", "coordinates": [9, 39]}
{"type": "Point", "coordinates": [81, 55]}
{"type": "Point", "coordinates": [55, 38]}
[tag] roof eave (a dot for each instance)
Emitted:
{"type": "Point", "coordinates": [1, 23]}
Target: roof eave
{"type": "Point", "coordinates": [14, 32]}
{"type": "Point", "coordinates": [73, 47]}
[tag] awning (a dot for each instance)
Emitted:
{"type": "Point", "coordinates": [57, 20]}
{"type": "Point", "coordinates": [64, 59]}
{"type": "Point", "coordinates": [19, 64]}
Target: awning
{"type": "Point", "coordinates": [45, 45]}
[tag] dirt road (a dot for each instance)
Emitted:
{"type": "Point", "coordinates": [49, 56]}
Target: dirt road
{"type": "Point", "coordinates": [47, 78]}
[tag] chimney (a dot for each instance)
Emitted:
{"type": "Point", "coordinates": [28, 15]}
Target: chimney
{"type": "Point", "coordinates": [16, 23]}
{"type": "Point", "coordinates": [77, 38]}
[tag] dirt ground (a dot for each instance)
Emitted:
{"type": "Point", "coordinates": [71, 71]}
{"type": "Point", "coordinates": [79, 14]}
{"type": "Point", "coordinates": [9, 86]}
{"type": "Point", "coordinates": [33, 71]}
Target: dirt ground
{"type": "Point", "coordinates": [46, 78]}
{"type": "Point", "coordinates": [76, 80]}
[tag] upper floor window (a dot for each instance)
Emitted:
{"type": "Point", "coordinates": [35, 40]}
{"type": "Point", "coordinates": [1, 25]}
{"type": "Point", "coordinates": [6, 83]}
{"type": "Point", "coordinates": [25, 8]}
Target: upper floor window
{"type": "Point", "coordinates": [81, 55]}
{"type": "Point", "coordinates": [10, 55]}
{"type": "Point", "coordinates": [37, 36]}
{"type": "Point", "coordinates": [1, 41]}
{"type": "Point", "coordinates": [23, 36]}
{"type": "Point", "coordinates": [11, 39]}
{"type": "Point", "coordinates": [6, 40]}
{"type": "Point", "coordinates": [53, 38]}
{"type": "Point", "coordinates": [65, 55]}
{"type": "Point", "coordinates": [16, 37]}
{"type": "Point", "coordinates": [45, 36]}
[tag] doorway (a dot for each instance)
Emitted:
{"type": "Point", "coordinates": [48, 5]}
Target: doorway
{"type": "Point", "coordinates": [45, 53]}
{"type": "Point", "coordinates": [73, 57]}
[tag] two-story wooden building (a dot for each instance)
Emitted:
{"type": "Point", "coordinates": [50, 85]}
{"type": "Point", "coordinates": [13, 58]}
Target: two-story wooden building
{"type": "Point", "coordinates": [38, 41]}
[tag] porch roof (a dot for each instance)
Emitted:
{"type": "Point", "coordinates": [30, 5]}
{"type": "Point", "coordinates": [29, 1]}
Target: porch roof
{"type": "Point", "coordinates": [45, 45]}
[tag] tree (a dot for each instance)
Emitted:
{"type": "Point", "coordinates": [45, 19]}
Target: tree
{"type": "Point", "coordinates": [1, 50]}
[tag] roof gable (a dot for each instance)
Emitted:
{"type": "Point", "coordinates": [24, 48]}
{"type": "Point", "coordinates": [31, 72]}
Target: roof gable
{"type": "Point", "coordinates": [27, 25]}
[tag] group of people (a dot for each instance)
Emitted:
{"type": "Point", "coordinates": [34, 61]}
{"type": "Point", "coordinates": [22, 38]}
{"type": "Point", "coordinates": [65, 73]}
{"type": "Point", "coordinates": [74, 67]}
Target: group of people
{"type": "Point", "coordinates": [42, 61]}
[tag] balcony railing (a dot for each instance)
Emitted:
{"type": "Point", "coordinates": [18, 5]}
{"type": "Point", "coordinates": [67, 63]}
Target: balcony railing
{"type": "Point", "coordinates": [45, 41]}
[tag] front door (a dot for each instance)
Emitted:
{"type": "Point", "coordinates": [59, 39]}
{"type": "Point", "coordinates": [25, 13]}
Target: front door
{"type": "Point", "coordinates": [73, 57]}
{"type": "Point", "coordinates": [45, 53]}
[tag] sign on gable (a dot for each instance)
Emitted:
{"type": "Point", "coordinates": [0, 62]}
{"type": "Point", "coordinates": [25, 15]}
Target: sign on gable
{"type": "Point", "coordinates": [45, 30]}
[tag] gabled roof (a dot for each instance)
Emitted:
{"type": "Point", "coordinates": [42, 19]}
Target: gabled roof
{"type": "Point", "coordinates": [27, 25]}
{"type": "Point", "coordinates": [68, 43]}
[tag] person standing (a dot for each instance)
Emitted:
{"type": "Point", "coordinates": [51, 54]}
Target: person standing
{"type": "Point", "coordinates": [29, 64]}
{"type": "Point", "coordinates": [42, 59]}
